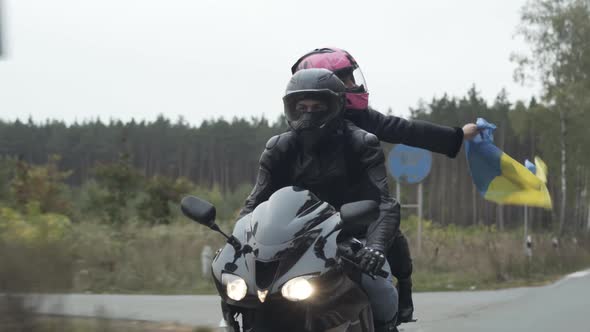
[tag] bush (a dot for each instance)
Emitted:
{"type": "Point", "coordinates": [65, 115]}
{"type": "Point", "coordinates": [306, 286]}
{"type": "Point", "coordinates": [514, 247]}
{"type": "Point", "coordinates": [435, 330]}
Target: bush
{"type": "Point", "coordinates": [228, 205]}
{"type": "Point", "coordinates": [163, 195]}
{"type": "Point", "coordinates": [7, 169]}
{"type": "Point", "coordinates": [33, 227]}
{"type": "Point", "coordinates": [119, 182]}
{"type": "Point", "coordinates": [41, 184]}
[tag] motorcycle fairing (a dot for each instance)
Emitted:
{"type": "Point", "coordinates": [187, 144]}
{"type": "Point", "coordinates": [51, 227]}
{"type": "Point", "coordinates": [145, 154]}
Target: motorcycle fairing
{"type": "Point", "coordinates": [293, 228]}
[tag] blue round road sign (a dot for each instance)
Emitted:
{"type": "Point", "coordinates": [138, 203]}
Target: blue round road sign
{"type": "Point", "coordinates": [409, 165]}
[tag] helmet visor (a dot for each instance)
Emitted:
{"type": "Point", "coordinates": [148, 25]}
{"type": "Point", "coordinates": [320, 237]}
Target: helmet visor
{"type": "Point", "coordinates": [311, 108]}
{"type": "Point", "coordinates": [359, 80]}
{"type": "Point", "coordinates": [354, 80]}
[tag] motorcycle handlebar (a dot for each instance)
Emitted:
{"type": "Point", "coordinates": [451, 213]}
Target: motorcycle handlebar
{"type": "Point", "coordinates": [380, 273]}
{"type": "Point", "coordinates": [347, 250]}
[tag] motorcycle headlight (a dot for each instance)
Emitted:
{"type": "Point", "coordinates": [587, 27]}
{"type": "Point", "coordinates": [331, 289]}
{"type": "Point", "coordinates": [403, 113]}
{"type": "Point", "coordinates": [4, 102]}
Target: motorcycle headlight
{"type": "Point", "coordinates": [235, 286]}
{"type": "Point", "coordinates": [297, 289]}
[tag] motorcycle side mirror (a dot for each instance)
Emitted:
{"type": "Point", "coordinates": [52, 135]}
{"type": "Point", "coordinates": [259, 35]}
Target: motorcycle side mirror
{"type": "Point", "coordinates": [358, 214]}
{"type": "Point", "coordinates": [198, 210]}
{"type": "Point", "coordinates": [204, 213]}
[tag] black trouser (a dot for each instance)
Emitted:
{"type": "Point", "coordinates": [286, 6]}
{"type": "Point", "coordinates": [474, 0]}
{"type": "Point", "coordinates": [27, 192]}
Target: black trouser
{"type": "Point", "coordinates": [399, 257]}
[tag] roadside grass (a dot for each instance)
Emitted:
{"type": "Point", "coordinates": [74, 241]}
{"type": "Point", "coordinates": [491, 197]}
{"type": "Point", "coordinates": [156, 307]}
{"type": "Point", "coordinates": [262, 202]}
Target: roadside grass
{"type": "Point", "coordinates": [139, 259]}
{"type": "Point", "coordinates": [475, 258]}
{"type": "Point", "coordinates": [166, 259]}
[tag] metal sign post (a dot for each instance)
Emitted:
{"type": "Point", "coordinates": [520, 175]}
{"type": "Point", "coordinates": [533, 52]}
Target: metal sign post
{"type": "Point", "coordinates": [410, 166]}
{"type": "Point", "coordinates": [420, 209]}
{"type": "Point", "coordinates": [528, 240]}
{"type": "Point", "coordinates": [526, 222]}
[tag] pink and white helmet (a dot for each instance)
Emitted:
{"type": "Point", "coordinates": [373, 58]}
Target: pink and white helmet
{"type": "Point", "coordinates": [343, 65]}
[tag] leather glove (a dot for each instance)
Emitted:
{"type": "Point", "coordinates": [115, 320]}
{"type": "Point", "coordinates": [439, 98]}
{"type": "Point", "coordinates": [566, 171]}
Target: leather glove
{"type": "Point", "coordinates": [370, 260]}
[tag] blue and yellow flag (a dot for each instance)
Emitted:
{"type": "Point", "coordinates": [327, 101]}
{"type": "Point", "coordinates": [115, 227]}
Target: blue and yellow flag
{"type": "Point", "coordinates": [540, 169]}
{"type": "Point", "coordinates": [500, 178]}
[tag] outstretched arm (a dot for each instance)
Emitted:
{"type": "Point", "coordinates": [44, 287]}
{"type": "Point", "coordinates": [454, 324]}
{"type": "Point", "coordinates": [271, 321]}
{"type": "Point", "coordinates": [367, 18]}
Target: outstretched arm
{"type": "Point", "coordinates": [417, 133]}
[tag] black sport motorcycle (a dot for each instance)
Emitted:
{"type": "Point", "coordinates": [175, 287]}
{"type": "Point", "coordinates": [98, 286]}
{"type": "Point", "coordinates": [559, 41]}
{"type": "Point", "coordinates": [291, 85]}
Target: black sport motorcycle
{"type": "Point", "coordinates": [289, 266]}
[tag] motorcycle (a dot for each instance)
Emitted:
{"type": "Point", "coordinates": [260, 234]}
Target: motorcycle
{"type": "Point", "coordinates": [289, 265]}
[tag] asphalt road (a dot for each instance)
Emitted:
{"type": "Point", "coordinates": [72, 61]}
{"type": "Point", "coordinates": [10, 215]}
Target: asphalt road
{"type": "Point", "coordinates": [564, 305]}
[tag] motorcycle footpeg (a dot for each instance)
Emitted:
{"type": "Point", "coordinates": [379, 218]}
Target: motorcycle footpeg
{"type": "Point", "coordinates": [413, 320]}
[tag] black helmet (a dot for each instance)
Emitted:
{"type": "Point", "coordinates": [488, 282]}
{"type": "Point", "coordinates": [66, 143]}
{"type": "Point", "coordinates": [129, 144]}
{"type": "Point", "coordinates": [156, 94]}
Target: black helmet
{"type": "Point", "coordinates": [316, 84]}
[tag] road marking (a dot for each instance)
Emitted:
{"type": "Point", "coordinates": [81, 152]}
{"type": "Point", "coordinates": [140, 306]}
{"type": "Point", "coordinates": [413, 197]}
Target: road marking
{"type": "Point", "coordinates": [579, 274]}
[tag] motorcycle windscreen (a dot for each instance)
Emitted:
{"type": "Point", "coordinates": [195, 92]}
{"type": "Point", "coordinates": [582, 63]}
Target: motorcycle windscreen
{"type": "Point", "coordinates": [289, 213]}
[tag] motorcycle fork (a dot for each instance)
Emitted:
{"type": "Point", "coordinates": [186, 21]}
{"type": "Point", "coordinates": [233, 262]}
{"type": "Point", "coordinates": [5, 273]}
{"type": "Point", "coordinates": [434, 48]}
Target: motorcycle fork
{"type": "Point", "coordinates": [229, 315]}
{"type": "Point", "coordinates": [308, 319]}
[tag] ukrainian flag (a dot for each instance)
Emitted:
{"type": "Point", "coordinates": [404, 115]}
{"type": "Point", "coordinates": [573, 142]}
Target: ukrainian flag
{"type": "Point", "coordinates": [500, 178]}
{"type": "Point", "coordinates": [541, 169]}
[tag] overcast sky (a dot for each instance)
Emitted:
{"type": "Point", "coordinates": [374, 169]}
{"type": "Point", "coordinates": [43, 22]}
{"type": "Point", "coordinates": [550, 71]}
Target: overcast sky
{"type": "Point", "coordinates": [123, 59]}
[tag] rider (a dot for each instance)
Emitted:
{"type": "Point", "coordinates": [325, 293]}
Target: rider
{"type": "Point", "coordinates": [338, 162]}
{"type": "Point", "coordinates": [391, 129]}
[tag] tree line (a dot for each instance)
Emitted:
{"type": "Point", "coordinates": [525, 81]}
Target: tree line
{"type": "Point", "coordinates": [216, 152]}
{"type": "Point", "coordinates": [224, 154]}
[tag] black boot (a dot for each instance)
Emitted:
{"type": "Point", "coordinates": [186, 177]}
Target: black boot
{"type": "Point", "coordinates": [406, 305]}
{"type": "Point", "coordinates": [390, 326]}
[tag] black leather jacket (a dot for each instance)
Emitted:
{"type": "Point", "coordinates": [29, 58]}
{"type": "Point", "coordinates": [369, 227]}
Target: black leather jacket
{"type": "Point", "coordinates": [348, 167]}
{"type": "Point", "coordinates": [420, 134]}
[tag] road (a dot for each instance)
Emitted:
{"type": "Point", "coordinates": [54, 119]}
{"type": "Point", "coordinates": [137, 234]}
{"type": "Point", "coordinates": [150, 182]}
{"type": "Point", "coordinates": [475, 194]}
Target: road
{"type": "Point", "coordinates": [565, 304]}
